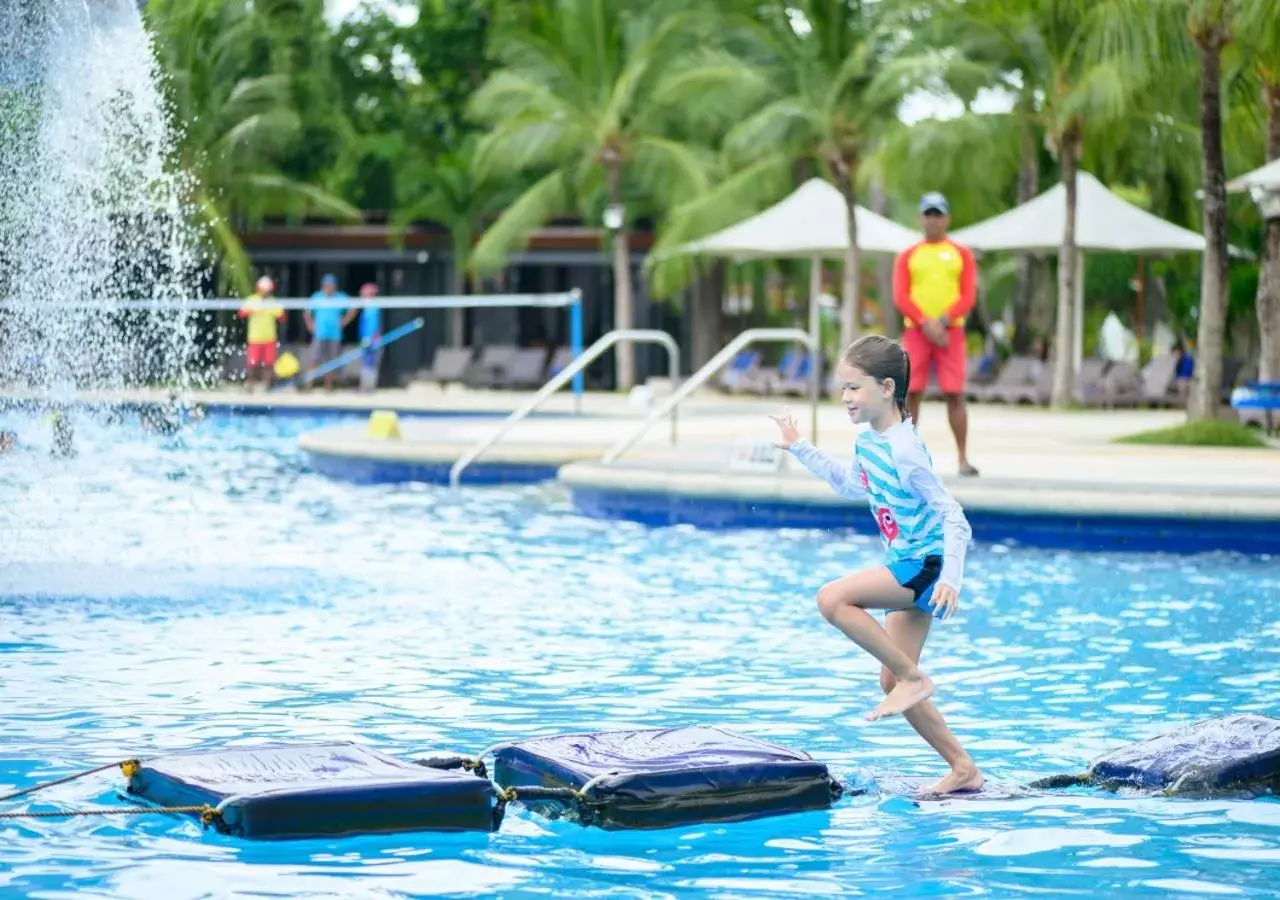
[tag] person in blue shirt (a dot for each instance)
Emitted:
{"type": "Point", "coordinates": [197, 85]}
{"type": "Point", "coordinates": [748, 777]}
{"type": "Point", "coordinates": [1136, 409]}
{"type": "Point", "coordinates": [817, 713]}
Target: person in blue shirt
{"type": "Point", "coordinates": [325, 324]}
{"type": "Point", "coordinates": [924, 533]}
{"type": "Point", "coordinates": [370, 330]}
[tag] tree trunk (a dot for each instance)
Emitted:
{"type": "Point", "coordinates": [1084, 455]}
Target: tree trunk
{"type": "Point", "coordinates": [1269, 268]}
{"type": "Point", "coordinates": [1064, 369]}
{"type": "Point", "coordinates": [706, 319]}
{"type": "Point", "coordinates": [458, 315]}
{"type": "Point", "coordinates": [1043, 298]}
{"type": "Point", "coordinates": [1028, 179]}
{"type": "Point", "coordinates": [884, 271]}
{"type": "Point", "coordinates": [850, 313]}
{"type": "Point", "coordinates": [1207, 381]}
{"type": "Point", "coordinates": [625, 353]}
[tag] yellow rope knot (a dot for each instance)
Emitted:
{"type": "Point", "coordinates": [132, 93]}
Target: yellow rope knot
{"type": "Point", "coordinates": [208, 815]}
{"type": "Point", "coordinates": [507, 795]}
{"type": "Point", "coordinates": [130, 767]}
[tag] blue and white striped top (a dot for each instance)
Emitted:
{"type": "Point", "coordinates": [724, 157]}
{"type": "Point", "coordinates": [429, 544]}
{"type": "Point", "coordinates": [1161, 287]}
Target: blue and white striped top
{"type": "Point", "coordinates": [893, 472]}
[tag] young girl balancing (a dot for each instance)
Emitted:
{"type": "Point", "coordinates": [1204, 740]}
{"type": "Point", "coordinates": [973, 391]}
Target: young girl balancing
{"type": "Point", "coordinates": [924, 533]}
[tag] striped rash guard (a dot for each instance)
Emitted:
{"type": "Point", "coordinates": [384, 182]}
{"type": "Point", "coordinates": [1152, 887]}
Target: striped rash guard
{"type": "Point", "coordinates": [893, 472]}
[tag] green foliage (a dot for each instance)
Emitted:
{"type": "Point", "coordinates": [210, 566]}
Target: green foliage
{"type": "Point", "coordinates": [493, 117]}
{"type": "Point", "coordinates": [1202, 433]}
{"type": "Point", "coordinates": [232, 84]}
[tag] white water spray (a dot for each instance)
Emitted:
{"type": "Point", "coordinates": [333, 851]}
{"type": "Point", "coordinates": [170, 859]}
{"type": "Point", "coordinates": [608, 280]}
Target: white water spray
{"type": "Point", "coordinates": [93, 209]}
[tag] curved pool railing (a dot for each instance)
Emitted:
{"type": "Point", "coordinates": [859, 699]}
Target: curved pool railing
{"type": "Point", "coordinates": [561, 378]}
{"type": "Point", "coordinates": [714, 365]}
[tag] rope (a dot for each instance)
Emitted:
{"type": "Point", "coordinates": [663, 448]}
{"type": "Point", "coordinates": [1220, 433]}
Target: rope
{"type": "Point", "coordinates": [475, 766]}
{"type": "Point", "coordinates": [208, 815]}
{"type": "Point", "coordinates": [510, 794]}
{"type": "Point", "coordinates": [129, 767]}
{"type": "Point", "coordinates": [1060, 781]}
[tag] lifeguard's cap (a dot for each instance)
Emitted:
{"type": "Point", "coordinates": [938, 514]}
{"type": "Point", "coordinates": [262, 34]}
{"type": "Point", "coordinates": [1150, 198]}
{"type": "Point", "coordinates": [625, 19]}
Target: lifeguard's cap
{"type": "Point", "coordinates": [934, 202]}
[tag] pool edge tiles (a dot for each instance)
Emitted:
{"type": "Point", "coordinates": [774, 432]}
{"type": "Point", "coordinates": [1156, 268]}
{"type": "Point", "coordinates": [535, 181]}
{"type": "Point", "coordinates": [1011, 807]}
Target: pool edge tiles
{"type": "Point", "coordinates": [347, 453]}
{"type": "Point", "coordinates": [1065, 516]}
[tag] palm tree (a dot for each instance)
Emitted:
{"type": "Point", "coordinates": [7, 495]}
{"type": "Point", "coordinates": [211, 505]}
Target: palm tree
{"type": "Point", "coordinates": [230, 95]}
{"type": "Point", "coordinates": [449, 191]}
{"type": "Point", "coordinates": [1213, 26]}
{"type": "Point", "coordinates": [1081, 62]}
{"type": "Point", "coordinates": [589, 97]}
{"type": "Point", "coordinates": [1210, 26]}
{"type": "Point", "coordinates": [826, 79]}
{"type": "Point", "coordinates": [1260, 40]}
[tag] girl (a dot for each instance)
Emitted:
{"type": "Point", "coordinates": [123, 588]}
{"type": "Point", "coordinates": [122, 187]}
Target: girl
{"type": "Point", "coordinates": [924, 532]}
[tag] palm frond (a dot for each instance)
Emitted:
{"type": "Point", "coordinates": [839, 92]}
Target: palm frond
{"type": "Point", "coordinates": [299, 198]}
{"type": "Point", "coordinates": [729, 201]}
{"type": "Point", "coordinates": [534, 207]}
{"type": "Point", "coordinates": [668, 170]}
{"type": "Point", "coordinates": [784, 122]}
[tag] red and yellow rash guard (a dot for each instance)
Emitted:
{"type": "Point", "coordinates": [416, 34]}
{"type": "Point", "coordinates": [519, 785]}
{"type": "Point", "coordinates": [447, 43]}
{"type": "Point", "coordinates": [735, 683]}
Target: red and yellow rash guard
{"type": "Point", "coordinates": [934, 279]}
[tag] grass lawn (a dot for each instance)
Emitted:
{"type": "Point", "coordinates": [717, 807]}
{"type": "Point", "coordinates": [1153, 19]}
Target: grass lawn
{"type": "Point", "coordinates": [1199, 434]}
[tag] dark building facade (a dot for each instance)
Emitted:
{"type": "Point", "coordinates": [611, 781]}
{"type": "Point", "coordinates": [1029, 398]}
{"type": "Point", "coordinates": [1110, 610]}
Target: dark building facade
{"type": "Point", "coordinates": [556, 259]}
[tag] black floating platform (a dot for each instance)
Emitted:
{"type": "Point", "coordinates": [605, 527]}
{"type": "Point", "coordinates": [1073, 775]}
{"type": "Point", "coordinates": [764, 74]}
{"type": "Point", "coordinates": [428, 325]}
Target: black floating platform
{"type": "Point", "coordinates": [1237, 753]}
{"type": "Point", "coordinates": [661, 778]}
{"type": "Point", "coordinates": [298, 791]}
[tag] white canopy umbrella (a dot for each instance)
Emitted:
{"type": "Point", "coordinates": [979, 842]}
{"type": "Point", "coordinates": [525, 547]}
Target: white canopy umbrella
{"type": "Point", "coordinates": [811, 222]}
{"type": "Point", "coordinates": [1104, 223]}
{"type": "Point", "coordinates": [1266, 178]}
{"type": "Point", "coordinates": [1263, 185]}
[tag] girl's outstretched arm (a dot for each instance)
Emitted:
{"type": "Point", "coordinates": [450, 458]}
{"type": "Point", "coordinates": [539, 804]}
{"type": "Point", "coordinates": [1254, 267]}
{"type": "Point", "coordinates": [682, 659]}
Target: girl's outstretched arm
{"type": "Point", "coordinates": [917, 472]}
{"type": "Point", "coordinates": [844, 480]}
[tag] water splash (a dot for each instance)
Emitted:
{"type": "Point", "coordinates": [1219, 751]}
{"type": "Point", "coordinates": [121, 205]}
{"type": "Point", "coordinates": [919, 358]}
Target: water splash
{"type": "Point", "coordinates": [93, 210]}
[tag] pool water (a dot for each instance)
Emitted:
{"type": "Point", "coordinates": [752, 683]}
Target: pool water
{"type": "Point", "coordinates": [160, 594]}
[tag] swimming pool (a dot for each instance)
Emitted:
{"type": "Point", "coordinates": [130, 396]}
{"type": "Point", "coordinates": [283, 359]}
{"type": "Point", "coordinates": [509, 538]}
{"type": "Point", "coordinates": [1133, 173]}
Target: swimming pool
{"type": "Point", "coordinates": [164, 594]}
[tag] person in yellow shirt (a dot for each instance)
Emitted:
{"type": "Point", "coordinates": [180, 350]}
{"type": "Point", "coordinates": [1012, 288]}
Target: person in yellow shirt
{"type": "Point", "coordinates": [262, 318]}
{"type": "Point", "coordinates": [934, 287]}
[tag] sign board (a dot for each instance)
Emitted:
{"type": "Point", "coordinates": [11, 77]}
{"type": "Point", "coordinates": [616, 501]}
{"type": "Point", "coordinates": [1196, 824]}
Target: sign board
{"type": "Point", "coordinates": [756, 456]}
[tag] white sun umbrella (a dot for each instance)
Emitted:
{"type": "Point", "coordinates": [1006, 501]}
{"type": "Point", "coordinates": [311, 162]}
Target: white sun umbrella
{"type": "Point", "coordinates": [1267, 178]}
{"type": "Point", "coordinates": [811, 223]}
{"type": "Point", "coordinates": [1104, 223]}
{"type": "Point", "coordinates": [1263, 185]}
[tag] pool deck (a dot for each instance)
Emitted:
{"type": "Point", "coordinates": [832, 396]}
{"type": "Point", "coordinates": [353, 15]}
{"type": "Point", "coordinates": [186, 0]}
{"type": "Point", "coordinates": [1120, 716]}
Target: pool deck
{"type": "Point", "coordinates": [1031, 459]}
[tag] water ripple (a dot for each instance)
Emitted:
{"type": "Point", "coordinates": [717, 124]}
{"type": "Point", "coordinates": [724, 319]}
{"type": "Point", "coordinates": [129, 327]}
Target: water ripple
{"type": "Point", "coordinates": [209, 590]}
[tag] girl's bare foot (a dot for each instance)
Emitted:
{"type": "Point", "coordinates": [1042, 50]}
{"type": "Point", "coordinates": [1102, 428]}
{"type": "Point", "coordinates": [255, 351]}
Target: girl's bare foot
{"type": "Point", "coordinates": [965, 778]}
{"type": "Point", "coordinates": [905, 694]}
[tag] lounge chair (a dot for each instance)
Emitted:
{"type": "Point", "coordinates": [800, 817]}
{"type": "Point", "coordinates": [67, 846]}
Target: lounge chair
{"type": "Point", "coordinates": [1015, 383]}
{"type": "Point", "coordinates": [741, 374]}
{"type": "Point", "coordinates": [1121, 386]}
{"type": "Point", "coordinates": [487, 371]}
{"type": "Point", "coordinates": [794, 374]}
{"type": "Point", "coordinates": [560, 361]}
{"type": "Point", "coordinates": [1158, 388]}
{"type": "Point", "coordinates": [526, 369]}
{"type": "Point", "coordinates": [1087, 388]}
{"type": "Point", "coordinates": [448, 366]}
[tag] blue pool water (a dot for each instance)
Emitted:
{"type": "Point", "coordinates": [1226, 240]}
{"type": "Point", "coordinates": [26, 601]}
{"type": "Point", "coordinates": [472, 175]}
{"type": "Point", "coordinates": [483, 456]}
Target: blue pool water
{"type": "Point", "coordinates": [165, 594]}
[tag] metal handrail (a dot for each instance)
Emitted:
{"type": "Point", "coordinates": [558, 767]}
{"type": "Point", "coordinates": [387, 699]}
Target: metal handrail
{"type": "Point", "coordinates": [561, 378]}
{"type": "Point", "coordinates": [716, 363]}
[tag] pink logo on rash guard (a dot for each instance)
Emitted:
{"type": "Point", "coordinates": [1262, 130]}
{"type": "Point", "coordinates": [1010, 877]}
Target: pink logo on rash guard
{"type": "Point", "coordinates": [866, 482]}
{"type": "Point", "coordinates": [888, 527]}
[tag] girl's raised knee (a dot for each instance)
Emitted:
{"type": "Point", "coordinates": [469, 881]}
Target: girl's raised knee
{"type": "Point", "coordinates": [828, 601]}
